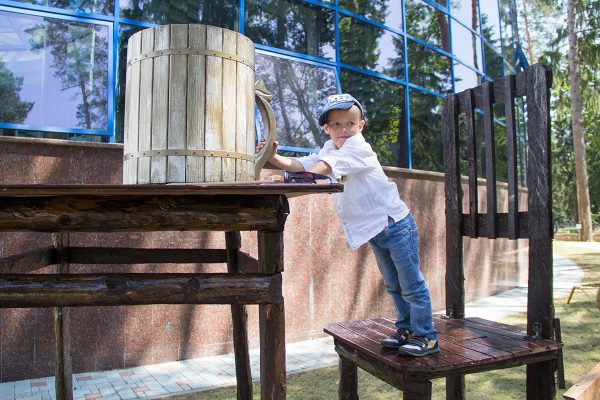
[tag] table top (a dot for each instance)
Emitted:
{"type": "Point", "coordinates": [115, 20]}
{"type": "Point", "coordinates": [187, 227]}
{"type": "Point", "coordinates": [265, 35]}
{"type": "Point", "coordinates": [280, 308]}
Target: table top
{"type": "Point", "coordinates": [254, 188]}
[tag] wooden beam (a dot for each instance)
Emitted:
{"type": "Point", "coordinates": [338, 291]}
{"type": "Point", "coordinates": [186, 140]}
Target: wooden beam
{"type": "Point", "coordinates": [144, 213]}
{"type": "Point", "coordinates": [62, 327]}
{"type": "Point", "coordinates": [122, 255]}
{"type": "Point", "coordinates": [587, 388]}
{"type": "Point", "coordinates": [239, 316]}
{"type": "Point", "coordinates": [74, 290]}
{"type": "Point", "coordinates": [29, 261]}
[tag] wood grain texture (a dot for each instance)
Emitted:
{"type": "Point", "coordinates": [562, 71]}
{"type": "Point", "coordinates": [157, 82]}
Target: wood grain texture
{"type": "Point", "coordinates": [160, 104]}
{"type": "Point", "coordinates": [229, 99]}
{"type": "Point", "coordinates": [194, 167]}
{"type": "Point", "coordinates": [214, 105]}
{"type": "Point", "coordinates": [132, 105]}
{"type": "Point", "coordinates": [74, 290]}
{"type": "Point", "coordinates": [177, 117]}
{"type": "Point", "coordinates": [145, 114]}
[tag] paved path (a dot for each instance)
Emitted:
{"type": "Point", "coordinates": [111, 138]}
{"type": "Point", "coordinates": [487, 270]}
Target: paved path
{"type": "Point", "coordinates": [179, 377]}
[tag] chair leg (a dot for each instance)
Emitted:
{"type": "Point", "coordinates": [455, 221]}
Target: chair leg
{"type": "Point", "coordinates": [348, 386]}
{"type": "Point", "coordinates": [455, 387]}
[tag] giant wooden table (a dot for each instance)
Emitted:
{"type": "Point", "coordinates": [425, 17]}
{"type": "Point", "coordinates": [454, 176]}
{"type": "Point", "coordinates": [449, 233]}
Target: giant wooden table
{"type": "Point", "coordinates": [228, 207]}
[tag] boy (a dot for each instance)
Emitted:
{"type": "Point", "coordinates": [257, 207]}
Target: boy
{"type": "Point", "coordinates": [371, 211]}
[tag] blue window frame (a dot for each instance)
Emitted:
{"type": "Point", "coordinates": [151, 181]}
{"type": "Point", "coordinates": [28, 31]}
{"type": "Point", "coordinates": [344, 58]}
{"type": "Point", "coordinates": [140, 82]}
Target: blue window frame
{"type": "Point", "coordinates": [415, 50]}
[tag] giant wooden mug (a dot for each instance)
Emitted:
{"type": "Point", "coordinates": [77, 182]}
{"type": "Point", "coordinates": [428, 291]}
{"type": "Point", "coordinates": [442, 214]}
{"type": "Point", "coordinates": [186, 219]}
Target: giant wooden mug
{"type": "Point", "coordinates": [190, 107]}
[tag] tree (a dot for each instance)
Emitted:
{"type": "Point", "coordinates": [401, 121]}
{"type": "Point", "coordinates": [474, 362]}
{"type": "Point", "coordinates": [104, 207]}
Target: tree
{"type": "Point", "coordinates": [12, 109]}
{"type": "Point", "coordinates": [583, 196]}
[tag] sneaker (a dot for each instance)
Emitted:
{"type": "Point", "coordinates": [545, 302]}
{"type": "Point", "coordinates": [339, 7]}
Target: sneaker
{"type": "Point", "coordinates": [397, 339]}
{"type": "Point", "coordinates": [419, 346]}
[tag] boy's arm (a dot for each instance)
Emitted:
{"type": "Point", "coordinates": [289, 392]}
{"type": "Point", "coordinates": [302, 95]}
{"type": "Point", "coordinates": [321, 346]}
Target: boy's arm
{"type": "Point", "coordinates": [321, 167]}
{"type": "Point", "coordinates": [286, 163]}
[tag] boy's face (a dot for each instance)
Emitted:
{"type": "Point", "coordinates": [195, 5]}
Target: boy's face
{"type": "Point", "coordinates": [342, 124]}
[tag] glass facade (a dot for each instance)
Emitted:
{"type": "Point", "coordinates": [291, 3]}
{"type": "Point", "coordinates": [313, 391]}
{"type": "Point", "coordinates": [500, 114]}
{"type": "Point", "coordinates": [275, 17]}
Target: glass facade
{"type": "Point", "coordinates": [62, 63]}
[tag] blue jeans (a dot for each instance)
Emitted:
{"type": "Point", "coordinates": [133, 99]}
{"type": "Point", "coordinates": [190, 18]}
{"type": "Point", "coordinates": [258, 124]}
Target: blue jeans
{"type": "Point", "coordinates": [396, 250]}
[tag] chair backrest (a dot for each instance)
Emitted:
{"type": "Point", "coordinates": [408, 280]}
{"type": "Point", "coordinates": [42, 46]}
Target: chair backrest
{"type": "Point", "coordinates": [535, 223]}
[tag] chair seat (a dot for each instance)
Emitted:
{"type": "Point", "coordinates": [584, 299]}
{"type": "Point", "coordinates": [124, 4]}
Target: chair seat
{"type": "Point", "coordinates": [466, 346]}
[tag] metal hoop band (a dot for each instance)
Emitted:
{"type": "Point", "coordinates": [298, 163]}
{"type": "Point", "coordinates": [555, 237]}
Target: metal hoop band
{"type": "Point", "coordinates": [193, 52]}
{"type": "Point", "coordinates": [189, 152]}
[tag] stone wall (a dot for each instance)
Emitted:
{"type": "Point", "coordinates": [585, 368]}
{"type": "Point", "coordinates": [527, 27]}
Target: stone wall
{"type": "Point", "coordinates": [324, 280]}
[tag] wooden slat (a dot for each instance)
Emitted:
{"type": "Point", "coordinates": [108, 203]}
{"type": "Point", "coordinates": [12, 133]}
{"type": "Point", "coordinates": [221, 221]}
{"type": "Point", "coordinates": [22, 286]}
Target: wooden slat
{"type": "Point", "coordinates": [74, 290]}
{"type": "Point", "coordinates": [132, 214]}
{"type": "Point", "coordinates": [455, 293]}
{"type": "Point", "coordinates": [120, 255]}
{"type": "Point", "coordinates": [540, 308]}
{"type": "Point", "coordinates": [132, 109]}
{"type": "Point", "coordinates": [209, 189]}
{"type": "Point", "coordinates": [245, 82]}
{"type": "Point", "coordinates": [490, 160]}
{"type": "Point", "coordinates": [511, 147]}
{"type": "Point", "coordinates": [472, 164]}
{"type": "Point", "coordinates": [145, 114]}
{"type": "Point", "coordinates": [29, 261]}
{"type": "Point", "coordinates": [214, 105]}
{"type": "Point", "coordinates": [502, 225]}
{"type": "Point", "coordinates": [160, 104]}
{"type": "Point", "coordinates": [239, 317]}
{"type": "Point", "coordinates": [586, 388]}
{"type": "Point", "coordinates": [62, 325]}
{"type": "Point", "coordinates": [248, 52]}
{"type": "Point", "coordinates": [229, 100]}
{"type": "Point", "coordinates": [177, 120]}
{"type": "Point", "coordinates": [194, 166]}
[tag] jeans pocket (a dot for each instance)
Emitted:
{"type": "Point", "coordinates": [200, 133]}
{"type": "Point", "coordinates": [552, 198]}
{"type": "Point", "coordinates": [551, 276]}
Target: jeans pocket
{"type": "Point", "coordinates": [392, 229]}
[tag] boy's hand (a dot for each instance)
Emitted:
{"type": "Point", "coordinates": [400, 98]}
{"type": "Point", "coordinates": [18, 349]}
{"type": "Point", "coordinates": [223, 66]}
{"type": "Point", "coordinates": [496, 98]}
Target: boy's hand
{"type": "Point", "coordinates": [261, 144]}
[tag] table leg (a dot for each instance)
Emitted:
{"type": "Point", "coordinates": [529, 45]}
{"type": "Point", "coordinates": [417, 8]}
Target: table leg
{"type": "Point", "coordinates": [62, 329]}
{"type": "Point", "coordinates": [272, 352]}
{"type": "Point", "coordinates": [239, 318]}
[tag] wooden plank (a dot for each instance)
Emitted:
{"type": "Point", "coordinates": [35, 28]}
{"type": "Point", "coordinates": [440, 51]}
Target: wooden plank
{"type": "Point", "coordinates": [270, 252]}
{"type": "Point", "coordinates": [177, 123]}
{"type": "Point", "coordinates": [145, 124]}
{"type": "Point", "coordinates": [245, 83]}
{"type": "Point", "coordinates": [160, 104]}
{"type": "Point", "coordinates": [502, 225]}
{"type": "Point", "coordinates": [210, 189]}
{"type": "Point", "coordinates": [348, 384]}
{"type": "Point", "coordinates": [214, 105]}
{"type": "Point", "coordinates": [230, 112]}
{"type": "Point", "coordinates": [511, 147]}
{"type": "Point", "coordinates": [132, 109]}
{"type": "Point", "coordinates": [29, 261]}
{"type": "Point", "coordinates": [239, 316]}
{"type": "Point", "coordinates": [490, 160]}
{"type": "Point", "coordinates": [586, 388]}
{"type": "Point", "coordinates": [122, 255]}
{"type": "Point", "coordinates": [249, 92]}
{"type": "Point", "coordinates": [136, 213]}
{"type": "Point", "coordinates": [455, 291]}
{"type": "Point", "coordinates": [62, 326]}
{"type": "Point", "coordinates": [194, 167]}
{"type": "Point", "coordinates": [75, 290]}
{"type": "Point", "coordinates": [272, 351]}
{"type": "Point", "coordinates": [472, 165]}
{"type": "Point", "coordinates": [540, 310]}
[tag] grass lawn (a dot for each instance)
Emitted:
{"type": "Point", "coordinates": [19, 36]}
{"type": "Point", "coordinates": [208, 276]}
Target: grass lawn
{"type": "Point", "coordinates": [580, 323]}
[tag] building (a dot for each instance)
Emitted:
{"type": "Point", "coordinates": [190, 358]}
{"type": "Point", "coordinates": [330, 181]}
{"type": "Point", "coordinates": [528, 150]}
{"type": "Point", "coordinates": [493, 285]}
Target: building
{"type": "Point", "coordinates": [62, 73]}
{"type": "Point", "coordinates": [62, 63]}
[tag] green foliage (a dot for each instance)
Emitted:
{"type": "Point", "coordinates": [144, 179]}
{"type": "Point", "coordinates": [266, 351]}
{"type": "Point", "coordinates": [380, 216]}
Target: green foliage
{"type": "Point", "coordinates": [12, 109]}
{"type": "Point", "coordinates": [554, 53]}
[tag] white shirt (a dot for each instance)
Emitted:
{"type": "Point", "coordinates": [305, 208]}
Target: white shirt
{"type": "Point", "coordinates": [368, 197]}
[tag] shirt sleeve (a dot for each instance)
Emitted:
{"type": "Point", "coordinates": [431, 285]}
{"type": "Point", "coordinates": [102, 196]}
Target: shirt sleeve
{"type": "Point", "coordinates": [350, 159]}
{"type": "Point", "coordinates": [310, 160]}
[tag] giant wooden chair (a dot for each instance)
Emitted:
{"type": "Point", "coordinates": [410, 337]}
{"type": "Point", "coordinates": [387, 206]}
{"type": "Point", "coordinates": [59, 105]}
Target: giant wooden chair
{"type": "Point", "coordinates": [469, 345]}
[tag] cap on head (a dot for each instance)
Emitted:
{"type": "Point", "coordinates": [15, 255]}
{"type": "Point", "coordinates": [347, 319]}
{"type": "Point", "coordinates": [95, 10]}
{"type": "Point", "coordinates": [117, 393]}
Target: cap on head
{"type": "Point", "coordinates": [339, 102]}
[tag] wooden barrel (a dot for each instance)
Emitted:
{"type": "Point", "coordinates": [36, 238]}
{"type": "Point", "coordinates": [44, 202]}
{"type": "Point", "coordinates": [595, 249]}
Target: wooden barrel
{"type": "Point", "coordinates": [189, 106]}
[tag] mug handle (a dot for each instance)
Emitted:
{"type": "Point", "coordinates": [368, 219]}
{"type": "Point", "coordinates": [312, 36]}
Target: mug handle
{"type": "Point", "coordinates": [263, 97]}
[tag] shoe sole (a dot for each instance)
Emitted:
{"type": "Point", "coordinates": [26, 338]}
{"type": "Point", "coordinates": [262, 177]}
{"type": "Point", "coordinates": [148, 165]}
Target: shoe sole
{"type": "Point", "coordinates": [391, 346]}
{"type": "Point", "coordinates": [428, 352]}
